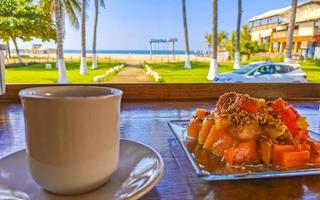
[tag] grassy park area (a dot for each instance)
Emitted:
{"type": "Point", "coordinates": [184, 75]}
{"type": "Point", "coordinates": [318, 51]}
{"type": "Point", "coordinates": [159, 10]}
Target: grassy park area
{"type": "Point", "coordinates": [169, 72]}
{"type": "Point", "coordinates": [37, 73]}
{"type": "Point", "coordinates": [175, 73]}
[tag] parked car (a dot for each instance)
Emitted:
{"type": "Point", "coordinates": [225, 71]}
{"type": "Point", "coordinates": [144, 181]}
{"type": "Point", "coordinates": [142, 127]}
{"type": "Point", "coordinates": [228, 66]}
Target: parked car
{"type": "Point", "coordinates": [264, 71]}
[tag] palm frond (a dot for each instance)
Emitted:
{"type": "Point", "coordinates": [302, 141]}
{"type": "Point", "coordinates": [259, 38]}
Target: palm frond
{"type": "Point", "coordinates": [72, 9]}
{"type": "Point", "coordinates": [102, 4]}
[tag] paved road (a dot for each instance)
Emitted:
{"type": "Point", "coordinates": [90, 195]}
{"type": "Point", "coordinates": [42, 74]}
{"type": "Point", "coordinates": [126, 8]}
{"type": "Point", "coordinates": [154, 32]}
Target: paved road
{"type": "Point", "coordinates": [131, 74]}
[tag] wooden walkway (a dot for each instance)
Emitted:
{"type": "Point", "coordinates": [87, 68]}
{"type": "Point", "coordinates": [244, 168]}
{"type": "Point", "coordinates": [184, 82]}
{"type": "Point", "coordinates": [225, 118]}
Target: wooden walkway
{"type": "Point", "coordinates": [132, 73]}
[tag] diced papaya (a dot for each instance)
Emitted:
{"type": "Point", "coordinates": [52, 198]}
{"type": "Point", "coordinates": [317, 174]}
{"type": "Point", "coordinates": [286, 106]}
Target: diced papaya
{"type": "Point", "coordinates": [315, 159]}
{"type": "Point", "coordinates": [249, 106]}
{"type": "Point", "coordinates": [278, 148]}
{"type": "Point", "coordinates": [206, 127]}
{"type": "Point", "coordinates": [229, 155]}
{"type": "Point", "coordinates": [213, 136]}
{"type": "Point", "coordinates": [265, 149]}
{"type": "Point", "coordinates": [292, 158]}
{"type": "Point", "coordinates": [201, 113]}
{"type": "Point", "coordinates": [246, 152]}
{"type": "Point", "coordinates": [289, 114]}
{"type": "Point", "coordinates": [302, 123]}
{"type": "Point", "coordinates": [279, 105]}
{"type": "Point", "coordinates": [302, 134]}
{"type": "Point", "coordinates": [223, 143]}
{"type": "Point", "coordinates": [315, 146]}
{"type": "Point", "coordinates": [222, 123]}
{"type": "Point", "coordinates": [303, 146]}
{"type": "Point", "coordinates": [194, 128]}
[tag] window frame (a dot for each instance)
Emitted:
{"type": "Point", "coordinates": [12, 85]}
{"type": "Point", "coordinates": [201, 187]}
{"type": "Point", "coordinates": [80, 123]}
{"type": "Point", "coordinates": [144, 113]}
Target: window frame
{"type": "Point", "coordinates": [192, 91]}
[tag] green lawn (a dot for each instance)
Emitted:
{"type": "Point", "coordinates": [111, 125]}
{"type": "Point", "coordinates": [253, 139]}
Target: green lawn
{"type": "Point", "coordinates": [175, 73]}
{"type": "Point", "coordinates": [169, 72]}
{"type": "Point", "coordinates": [36, 73]}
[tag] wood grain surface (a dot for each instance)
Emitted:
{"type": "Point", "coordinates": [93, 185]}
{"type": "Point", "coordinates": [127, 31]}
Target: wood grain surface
{"type": "Point", "coordinates": [146, 122]}
{"type": "Point", "coordinates": [180, 91]}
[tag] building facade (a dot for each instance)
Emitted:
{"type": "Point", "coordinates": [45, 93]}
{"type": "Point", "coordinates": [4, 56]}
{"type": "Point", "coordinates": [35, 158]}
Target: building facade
{"type": "Point", "coordinates": [272, 27]}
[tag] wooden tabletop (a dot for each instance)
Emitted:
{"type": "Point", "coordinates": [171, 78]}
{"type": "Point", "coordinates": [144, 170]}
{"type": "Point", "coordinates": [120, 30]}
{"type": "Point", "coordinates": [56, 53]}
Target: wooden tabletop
{"type": "Point", "coordinates": [147, 122]}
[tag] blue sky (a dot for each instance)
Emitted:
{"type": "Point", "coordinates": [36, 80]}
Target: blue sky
{"type": "Point", "coordinates": [129, 24]}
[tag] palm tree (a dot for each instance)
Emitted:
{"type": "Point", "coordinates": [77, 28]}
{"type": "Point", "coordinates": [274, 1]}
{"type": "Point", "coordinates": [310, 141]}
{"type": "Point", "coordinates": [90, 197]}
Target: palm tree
{"type": "Point", "coordinates": [83, 63]}
{"type": "Point", "coordinates": [8, 49]}
{"type": "Point", "coordinates": [222, 37]}
{"type": "Point", "coordinates": [97, 4]}
{"type": "Point", "coordinates": [237, 41]}
{"type": "Point", "coordinates": [17, 49]}
{"type": "Point", "coordinates": [222, 40]}
{"type": "Point", "coordinates": [187, 63]}
{"type": "Point", "coordinates": [213, 70]}
{"type": "Point", "coordinates": [58, 8]}
{"type": "Point", "coordinates": [2, 75]}
{"type": "Point", "coordinates": [208, 40]}
{"type": "Point", "coordinates": [292, 23]}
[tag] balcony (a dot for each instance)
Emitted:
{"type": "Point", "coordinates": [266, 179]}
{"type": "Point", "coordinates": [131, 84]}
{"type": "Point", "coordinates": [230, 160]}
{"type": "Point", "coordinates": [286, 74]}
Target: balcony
{"type": "Point", "coordinates": [283, 34]}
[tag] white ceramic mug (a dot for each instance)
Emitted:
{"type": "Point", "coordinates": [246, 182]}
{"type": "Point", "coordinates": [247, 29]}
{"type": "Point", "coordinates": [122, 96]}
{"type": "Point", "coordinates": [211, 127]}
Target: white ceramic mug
{"type": "Point", "coordinates": [72, 135]}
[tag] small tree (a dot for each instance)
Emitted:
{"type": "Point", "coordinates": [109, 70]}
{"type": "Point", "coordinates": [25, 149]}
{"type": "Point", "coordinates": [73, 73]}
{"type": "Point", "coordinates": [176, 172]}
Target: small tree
{"type": "Point", "coordinates": [25, 20]}
{"type": "Point", "coordinates": [222, 39]}
{"type": "Point", "coordinates": [247, 46]}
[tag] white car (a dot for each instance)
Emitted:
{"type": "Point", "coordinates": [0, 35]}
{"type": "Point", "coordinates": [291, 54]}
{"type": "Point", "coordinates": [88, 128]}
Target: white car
{"type": "Point", "coordinates": [265, 72]}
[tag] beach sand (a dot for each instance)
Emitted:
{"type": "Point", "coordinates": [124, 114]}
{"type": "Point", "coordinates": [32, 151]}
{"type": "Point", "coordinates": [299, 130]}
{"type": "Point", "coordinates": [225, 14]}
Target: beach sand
{"type": "Point", "coordinates": [139, 58]}
{"type": "Point", "coordinates": [123, 58]}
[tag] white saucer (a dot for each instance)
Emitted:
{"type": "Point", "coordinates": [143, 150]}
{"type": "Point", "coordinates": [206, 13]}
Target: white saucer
{"type": "Point", "coordinates": [140, 168]}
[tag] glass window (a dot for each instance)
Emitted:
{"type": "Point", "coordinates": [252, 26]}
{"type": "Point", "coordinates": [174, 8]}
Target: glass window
{"type": "Point", "coordinates": [115, 55]}
{"type": "Point", "coordinates": [266, 69]}
{"type": "Point", "coordinates": [281, 69]}
{"type": "Point", "coordinates": [246, 69]}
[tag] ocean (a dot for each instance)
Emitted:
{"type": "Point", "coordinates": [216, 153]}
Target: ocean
{"type": "Point", "coordinates": [178, 52]}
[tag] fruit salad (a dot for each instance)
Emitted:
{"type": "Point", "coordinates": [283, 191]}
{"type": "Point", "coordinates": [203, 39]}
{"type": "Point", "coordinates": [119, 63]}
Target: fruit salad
{"type": "Point", "coordinates": [245, 130]}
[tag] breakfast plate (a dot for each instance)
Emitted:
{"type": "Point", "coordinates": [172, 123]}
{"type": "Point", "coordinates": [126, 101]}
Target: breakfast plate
{"type": "Point", "coordinates": [247, 137]}
{"type": "Point", "coordinates": [210, 168]}
{"type": "Point", "coordinates": [140, 168]}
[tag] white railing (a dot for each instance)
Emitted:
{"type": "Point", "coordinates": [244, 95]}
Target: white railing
{"type": "Point", "coordinates": [152, 73]}
{"type": "Point", "coordinates": [110, 71]}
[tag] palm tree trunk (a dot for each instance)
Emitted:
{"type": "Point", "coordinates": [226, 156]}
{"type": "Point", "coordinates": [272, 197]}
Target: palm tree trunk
{"type": "Point", "coordinates": [59, 34]}
{"type": "Point", "coordinates": [292, 23]}
{"type": "Point", "coordinates": [8, 49]}
{"type": "Point", "coordinates": [187, 63]}
{"type": "Point", "coordinates": [17, 49]}
{"type": "Point", "coordinates": [213, 70]}
{"type": "Point", "coordinates": [83, 64]}
{"type": "Point", "coordinates": [94, 57]}
{"type": "Point", "coordinates": [237, 41]}
{"type": "Point", "coordinates": [2, 74]}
